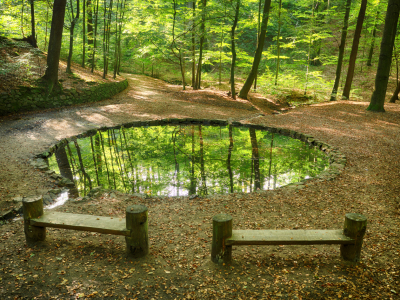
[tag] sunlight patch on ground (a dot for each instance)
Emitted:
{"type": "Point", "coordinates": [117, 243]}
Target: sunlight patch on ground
{"type": "Point", "coordinates": [95, 118]}
{"type": "Point", "coordinates": [59, 125]}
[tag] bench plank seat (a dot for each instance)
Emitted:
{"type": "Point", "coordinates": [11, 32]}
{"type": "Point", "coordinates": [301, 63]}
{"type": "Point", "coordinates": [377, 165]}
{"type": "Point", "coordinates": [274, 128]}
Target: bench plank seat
{"type": "Point", "coordinates": [287, 237]}
{"type": "Point", "coordinates": [108, 225]}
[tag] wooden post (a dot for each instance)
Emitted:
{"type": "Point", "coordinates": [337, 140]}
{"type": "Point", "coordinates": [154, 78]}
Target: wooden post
{"type": "Point", "coordinates": [222, 229]}
{"type": "Point", "coordinates": [137, 243]}
{"type": "Point", "coordinates": [355, 226]}
{"type": "Point", "coordinates": [33, 208]}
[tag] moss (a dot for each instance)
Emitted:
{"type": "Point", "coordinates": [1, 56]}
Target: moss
{"type": "Point", "coordinates": [376, 108]}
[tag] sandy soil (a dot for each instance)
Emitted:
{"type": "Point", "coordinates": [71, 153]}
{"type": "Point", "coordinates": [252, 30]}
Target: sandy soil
{"type": "Point", "coordinates": [71, 265]}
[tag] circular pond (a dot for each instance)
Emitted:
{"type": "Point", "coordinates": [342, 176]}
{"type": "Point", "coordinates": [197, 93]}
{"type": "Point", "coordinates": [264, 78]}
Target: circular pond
{"type": "Point", "coordinates": [186, 159]}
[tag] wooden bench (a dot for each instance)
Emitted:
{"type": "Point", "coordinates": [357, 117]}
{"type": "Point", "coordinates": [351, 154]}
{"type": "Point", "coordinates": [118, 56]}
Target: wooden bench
{"type": "Point", "coordinates": [350, 238]}
{"type": "Point", "coordinates": [134, 227]}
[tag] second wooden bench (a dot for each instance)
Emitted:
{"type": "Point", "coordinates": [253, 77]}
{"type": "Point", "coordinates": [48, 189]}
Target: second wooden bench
{"type": "Point", "coordinates": [350, 238]}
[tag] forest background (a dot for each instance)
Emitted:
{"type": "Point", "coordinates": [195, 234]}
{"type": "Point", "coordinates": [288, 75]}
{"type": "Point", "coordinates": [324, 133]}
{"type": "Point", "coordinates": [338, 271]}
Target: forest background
{"type": "Point", "coordinates": [311, 52]}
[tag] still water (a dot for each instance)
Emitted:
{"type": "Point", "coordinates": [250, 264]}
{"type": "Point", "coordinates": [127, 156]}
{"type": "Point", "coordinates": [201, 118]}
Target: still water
{"type": "Point", "coordinates": [186, 160]}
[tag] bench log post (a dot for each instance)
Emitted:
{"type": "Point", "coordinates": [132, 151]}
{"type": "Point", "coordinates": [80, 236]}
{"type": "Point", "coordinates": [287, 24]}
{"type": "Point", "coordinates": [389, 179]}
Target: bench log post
{"type": "Point", "coordinates": [137, 243]}
{"type": "Point", "coordinates": [355, 226]}
{"type": "Point", "coordinates": [33, 208]}
{"type": "Point", "coordinates": [222, 229]}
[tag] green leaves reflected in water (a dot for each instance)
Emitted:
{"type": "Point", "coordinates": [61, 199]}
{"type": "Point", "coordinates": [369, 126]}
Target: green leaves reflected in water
{"type": "Point", "coordinates": [186, 160]}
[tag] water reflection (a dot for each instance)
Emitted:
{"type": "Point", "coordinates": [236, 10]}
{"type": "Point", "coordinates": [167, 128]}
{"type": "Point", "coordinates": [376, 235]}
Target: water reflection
{"type": "Point", "coordinates": [186, 160]}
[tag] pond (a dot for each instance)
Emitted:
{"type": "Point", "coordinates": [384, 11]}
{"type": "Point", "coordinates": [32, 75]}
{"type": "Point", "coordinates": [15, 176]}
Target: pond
{"type": "Point", "coordinates": [181, 160]}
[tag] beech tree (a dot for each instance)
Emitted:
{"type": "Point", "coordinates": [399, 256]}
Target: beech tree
{"type": "Point", "coordinates": [73, 20]}
{"type": "Point", "coordinates": [385, 57]}
{"type": "Point", "coordinates": [53, 53]}
{"type": "Point", "coordinates": [354, 50]}
{"type": "Point", "coordinates": [235, 21]}
{"type": "Point", "coordinates": [341, 50]}
{"type": "Point", "coordinates": [257, 57]}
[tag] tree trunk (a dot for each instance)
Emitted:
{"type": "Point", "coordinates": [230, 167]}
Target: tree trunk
{"type": "Point", "coordinates": [354, 50]}
{"type": "Point", "coordinates": [53, 53]}
{"type": "Point", "coordinates": [371, 49]}
{"type": "Point", "coordinates": [83, 34]}
{"type": "Point", "coordinates": [95, 37]}
{"type": "Point", "coordinates": [47, 21]}
{"type": "Point", "coordinates": [234, 50]}
{"type": "Point", "coordinates": [258, 38]}
{"type": "Point", "coordinates": [257, 57]}
{"type": "Point", "coordinates": [89, 27]}
{"type": "Point", "coordinates": [341, 51]}
{"type": "Point", "coordinates": [385, 57]}
{"type": "Point", "coordinates": [71, 33]}
{"type": "Point", "coordinates": [395, 95]}
{"type": "Point", "coordinates": [33, 32]}
{"type": "Point", "coordinates": [203, 32]}
{"type": "Point", "coordinates": [193, 45]}
{"type": "Point", "coordinates": [277, 43]}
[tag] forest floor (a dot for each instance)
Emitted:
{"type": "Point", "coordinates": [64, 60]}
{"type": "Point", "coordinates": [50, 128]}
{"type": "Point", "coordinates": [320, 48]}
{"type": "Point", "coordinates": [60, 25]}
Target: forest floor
{"type": "Point", "coordinates": [72, 265]}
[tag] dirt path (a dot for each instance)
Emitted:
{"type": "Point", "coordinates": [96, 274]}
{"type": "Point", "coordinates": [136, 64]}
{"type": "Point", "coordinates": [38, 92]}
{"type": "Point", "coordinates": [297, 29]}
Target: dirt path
{"type": "Point", "coordinates": [91, 265]}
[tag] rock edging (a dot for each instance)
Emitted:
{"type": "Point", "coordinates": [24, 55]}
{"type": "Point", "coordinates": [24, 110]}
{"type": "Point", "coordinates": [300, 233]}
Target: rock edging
{"type": "Point", "coordinates": [34, 98]}
{"type": "Point", "coordinates": [337, 161]}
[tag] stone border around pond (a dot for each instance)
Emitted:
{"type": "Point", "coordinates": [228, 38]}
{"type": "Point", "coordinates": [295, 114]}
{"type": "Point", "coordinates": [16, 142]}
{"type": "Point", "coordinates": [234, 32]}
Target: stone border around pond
{"type": "Point", "coordinates": [337, 161]}
{"type": "Point", "coordinates": [33, 98]}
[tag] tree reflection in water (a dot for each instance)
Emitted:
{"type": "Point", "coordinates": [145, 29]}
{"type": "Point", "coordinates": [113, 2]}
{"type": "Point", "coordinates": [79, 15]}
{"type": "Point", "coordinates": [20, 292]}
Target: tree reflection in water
{"type": "Point", "coordinates": [186, 160]}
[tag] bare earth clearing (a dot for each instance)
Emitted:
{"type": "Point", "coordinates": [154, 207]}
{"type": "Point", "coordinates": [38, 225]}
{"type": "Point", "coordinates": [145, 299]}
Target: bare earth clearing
{"type": "Point", "coordinates": [72, 264]}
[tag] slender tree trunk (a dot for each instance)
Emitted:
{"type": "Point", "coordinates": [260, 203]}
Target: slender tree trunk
{"type": "Point", "coordinates": [278, 43]}
{"type": "Point", "coordinates": [396, 92]}
{"type": "Point", "coordinates": [53, 53]}
{"type": "Point", "coordinates": [116, 52]}
{"type": "Point", "coordinates": [193, 3]}
{"type": "Point", "coordinates": [354, 50]}
{"type": "Point", "coordinates": [309, 48]}
{"type": "Point", "coordinates": [22, 18]}
{"type": "Point", "coordinates": [233, 49]}
{"type": "Point", "coordinates": [257, 57]}
{"type": "Point", "coordinates": [385, 57]}
{"type": "Point", "coordinates": [71, 33]}
{"type": "Point", "coordinates": [119, 36]}
{"type": "Point", "coordinates": [108, 38]}
{"type": "Point", "coordinates": [95, 38]}
{"type": "Point", "coordinates": [371, 48]}
{"type": "Point", "coordinates": [258, 39]}
{"type": "Point", "coordinates": [47, 20]}
{"type": "Point", "coordinates": [341, 51]}
{"type": "Point", "coordinates": [203, 32]}
{"type": "Point", "coordinates": [83, 33]}
{"type": "Point", "coordinates": [89, 28]}
{"type": "Point", "coordinates": [220, 57]}
{"type": "Point", "coordinates": [395, 95]}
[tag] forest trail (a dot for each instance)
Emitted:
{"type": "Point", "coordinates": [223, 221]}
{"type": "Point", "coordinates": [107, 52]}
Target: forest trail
{"type": "Point", "coordinates": [370, 184]}
{"type": "Point", "coordinates": [146, 98]}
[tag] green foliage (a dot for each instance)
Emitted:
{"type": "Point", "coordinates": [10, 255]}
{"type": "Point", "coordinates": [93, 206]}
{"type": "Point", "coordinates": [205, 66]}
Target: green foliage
{"type": "Point", "coordinates": [157, 39]}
